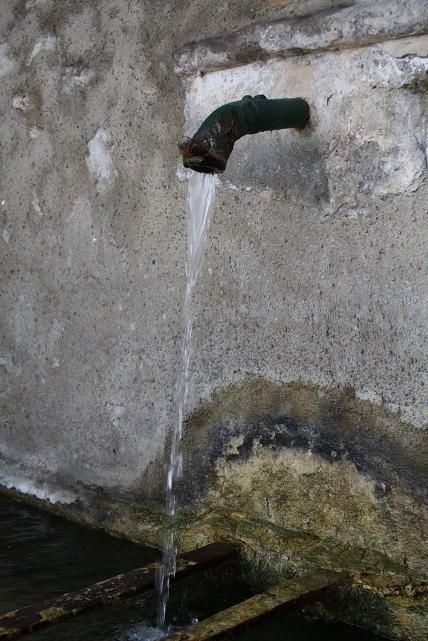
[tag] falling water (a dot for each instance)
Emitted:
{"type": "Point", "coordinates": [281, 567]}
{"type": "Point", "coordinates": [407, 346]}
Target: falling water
{"type": "Point", "coordinates": [200, 201]}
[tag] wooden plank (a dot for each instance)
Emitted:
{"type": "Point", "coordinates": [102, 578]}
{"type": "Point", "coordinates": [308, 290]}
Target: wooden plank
{"type": "Point", "coordinates": [17, 622]}
{"type": "Point", "coordinates": [289, 596]}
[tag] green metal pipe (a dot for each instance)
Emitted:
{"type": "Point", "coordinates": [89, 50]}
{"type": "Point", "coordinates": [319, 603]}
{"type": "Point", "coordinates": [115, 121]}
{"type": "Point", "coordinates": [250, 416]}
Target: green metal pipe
{"type": "Point", "coordinates": [209, 149]}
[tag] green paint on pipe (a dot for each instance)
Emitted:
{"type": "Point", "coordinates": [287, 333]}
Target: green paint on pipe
{"type": "Point", "coordinates": [209, 149]}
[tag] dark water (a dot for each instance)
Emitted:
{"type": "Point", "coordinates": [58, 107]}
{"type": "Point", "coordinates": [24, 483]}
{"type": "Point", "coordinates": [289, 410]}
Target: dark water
{"type": "Point", "coordinates": [42, 556]}
{"type": "Point", "coordinates": [295, 628]}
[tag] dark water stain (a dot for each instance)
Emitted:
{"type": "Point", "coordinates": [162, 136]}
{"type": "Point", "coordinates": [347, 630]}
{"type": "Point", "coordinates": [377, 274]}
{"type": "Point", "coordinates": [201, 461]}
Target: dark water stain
{"type": "Point", "coordinates": [333, 424]}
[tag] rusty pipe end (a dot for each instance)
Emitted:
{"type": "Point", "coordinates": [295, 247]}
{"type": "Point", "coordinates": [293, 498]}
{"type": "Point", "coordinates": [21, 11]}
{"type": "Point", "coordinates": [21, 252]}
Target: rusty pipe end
{"type": "Point", "coordinates": [200, 156]}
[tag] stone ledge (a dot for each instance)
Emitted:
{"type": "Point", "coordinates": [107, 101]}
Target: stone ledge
{"type": "Point", "coordinates": [328, 30]}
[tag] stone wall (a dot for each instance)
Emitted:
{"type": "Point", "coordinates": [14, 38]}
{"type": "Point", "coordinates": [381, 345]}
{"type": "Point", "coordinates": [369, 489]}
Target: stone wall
{"type": "Point", "coordinates": [308, 409]}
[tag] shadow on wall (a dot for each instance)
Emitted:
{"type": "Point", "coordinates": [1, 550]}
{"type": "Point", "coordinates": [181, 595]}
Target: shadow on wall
{"type": "Point", "coordinates": [292, 166]}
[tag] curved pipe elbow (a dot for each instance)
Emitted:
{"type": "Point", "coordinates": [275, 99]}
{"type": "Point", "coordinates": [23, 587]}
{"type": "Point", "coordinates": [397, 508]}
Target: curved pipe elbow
{"type": "Point", "coordinates": [209, 149]}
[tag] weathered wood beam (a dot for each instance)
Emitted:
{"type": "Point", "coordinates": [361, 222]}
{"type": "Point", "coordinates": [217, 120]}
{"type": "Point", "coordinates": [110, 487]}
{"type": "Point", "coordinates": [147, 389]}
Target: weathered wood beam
{"type": "Point", "coordinates": [291, 595]}
{"type": "Point", "coordinates": [18, 622]}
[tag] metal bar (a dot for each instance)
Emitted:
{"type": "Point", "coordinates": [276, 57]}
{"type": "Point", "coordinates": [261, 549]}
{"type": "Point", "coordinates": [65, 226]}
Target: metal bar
{"type": "Point", "coordinates": [18, 622]}
{"type": "Point", "coordinates": [289, 596]}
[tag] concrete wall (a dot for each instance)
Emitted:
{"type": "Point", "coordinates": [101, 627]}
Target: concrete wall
{"type": "Point", "coordinates": [92, 231]}
{"type": "Point", "coordinates": [310, 328]}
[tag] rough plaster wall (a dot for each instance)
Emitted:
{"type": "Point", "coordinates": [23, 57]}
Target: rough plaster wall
{"type": "Point", "coordinates": [93, 244]}
{"type": "Point", "coordinates": [325, 273]}
{"type": "Point", "coordinates": [93, 229]}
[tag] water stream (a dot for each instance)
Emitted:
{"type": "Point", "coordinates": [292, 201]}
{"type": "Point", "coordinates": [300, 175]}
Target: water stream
{"type": "Point", "coordinates": [200, 202]}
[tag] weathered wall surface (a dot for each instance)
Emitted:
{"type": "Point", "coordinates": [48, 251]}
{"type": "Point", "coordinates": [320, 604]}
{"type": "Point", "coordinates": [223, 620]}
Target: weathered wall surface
{"type": "Point", "coordinates": [326, 278]}
{"type": "Point", "coordinates": [92, 231]}
{"type": "Point", "coordinates": [335, 220]}
{"type": "Point", "coordinates": [308, 408]}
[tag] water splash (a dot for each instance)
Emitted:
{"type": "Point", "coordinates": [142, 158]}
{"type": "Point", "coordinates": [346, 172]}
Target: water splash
{"type": "Point", "coordinates": [141, 632]}
{"type": "Point", "coordinates": [200, 202]}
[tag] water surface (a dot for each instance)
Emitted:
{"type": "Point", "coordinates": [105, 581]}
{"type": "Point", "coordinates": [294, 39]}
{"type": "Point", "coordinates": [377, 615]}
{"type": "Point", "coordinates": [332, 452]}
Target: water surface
{"type": "Point", "coordinates": [42, 555]}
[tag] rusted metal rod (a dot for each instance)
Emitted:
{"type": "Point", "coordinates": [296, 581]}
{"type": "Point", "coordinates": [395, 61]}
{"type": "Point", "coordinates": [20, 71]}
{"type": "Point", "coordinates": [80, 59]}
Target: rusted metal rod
{"type": "Point", "coordinates": [18, 622]}
{"type": "Point", "coordinates": [289, 596]}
